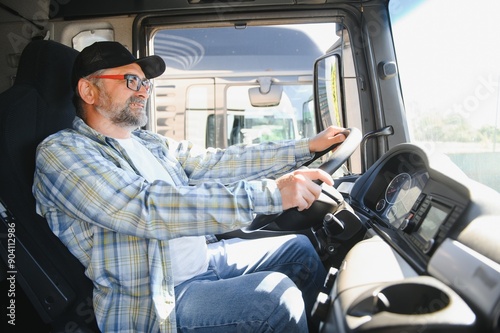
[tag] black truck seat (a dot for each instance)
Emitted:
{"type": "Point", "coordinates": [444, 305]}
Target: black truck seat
{"type": "Point", "coordinates": [38, 265]}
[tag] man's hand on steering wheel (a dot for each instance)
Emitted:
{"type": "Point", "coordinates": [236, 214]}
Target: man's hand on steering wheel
{"type": "Point", "coordinates": [301, 188]}
{"type": "Point", "coordinates": [298, 189]}
{"type": "Point", "coordinates": [326, 139]}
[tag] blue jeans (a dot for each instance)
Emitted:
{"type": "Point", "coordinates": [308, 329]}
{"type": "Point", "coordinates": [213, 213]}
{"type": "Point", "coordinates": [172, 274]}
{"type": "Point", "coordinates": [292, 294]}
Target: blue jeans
{"type": "Point", "coordinates": [261, 285]}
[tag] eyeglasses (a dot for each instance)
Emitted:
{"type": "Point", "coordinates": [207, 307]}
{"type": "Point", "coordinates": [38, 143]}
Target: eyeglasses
{"type": "Point", "coordinates": [133, 81]}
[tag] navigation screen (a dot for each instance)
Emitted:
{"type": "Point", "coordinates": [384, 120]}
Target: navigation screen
{"type": "Point", "coordinates": [434, 218]}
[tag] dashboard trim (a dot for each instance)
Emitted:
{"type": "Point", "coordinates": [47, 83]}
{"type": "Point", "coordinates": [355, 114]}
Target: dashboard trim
{"type": "Point", "coordinates": [471, 274]}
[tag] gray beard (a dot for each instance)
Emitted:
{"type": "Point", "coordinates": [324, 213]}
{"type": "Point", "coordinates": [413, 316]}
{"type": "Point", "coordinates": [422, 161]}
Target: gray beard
{"type": "Point", "coordinates": [124, 118]}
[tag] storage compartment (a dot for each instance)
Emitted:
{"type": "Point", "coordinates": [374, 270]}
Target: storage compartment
{"type": "Point", "coordinates": [420, 304]}
{"type": "Point", "coordinates": [376, 291]}
{"type": "Point", "coordinates": [401, 298]}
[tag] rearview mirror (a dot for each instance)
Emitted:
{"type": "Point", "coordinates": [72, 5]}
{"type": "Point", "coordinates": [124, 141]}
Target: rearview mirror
{"type": "Point", "coordinates": [327, 91]}
{"type": "Point", "coordinates": [266, 95]}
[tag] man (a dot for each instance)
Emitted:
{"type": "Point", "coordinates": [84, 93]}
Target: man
{"type": "Point", "coordinates": [134, 207]}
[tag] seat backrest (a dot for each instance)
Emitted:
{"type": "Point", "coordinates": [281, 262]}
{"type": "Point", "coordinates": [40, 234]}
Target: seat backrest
{"type": "Point", "coordinates": [38, 104]}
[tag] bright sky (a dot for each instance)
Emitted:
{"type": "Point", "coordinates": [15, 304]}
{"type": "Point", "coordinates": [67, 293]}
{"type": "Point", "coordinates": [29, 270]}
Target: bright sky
{"type": "Point", "coordinates": [449, 57]}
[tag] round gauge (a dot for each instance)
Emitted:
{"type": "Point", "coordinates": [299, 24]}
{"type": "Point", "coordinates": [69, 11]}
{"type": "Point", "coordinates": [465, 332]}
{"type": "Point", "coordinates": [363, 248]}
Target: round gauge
{"type": "Point", "coordinates": [380, 205]}
{"type": "Point", "coordinates": [398, 188]}
{"type": "Point", "coordinates": [392, 212]}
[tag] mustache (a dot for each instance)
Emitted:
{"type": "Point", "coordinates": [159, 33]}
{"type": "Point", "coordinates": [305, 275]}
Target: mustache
{"type": "Point", "coordinates": [138, 100]}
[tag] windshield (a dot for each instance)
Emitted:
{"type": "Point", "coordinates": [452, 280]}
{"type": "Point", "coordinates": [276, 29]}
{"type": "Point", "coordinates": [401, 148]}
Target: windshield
{"type": "Point", "coordinates": [238, 84]}
{"type": "Point", "coordinates": [448, 55]}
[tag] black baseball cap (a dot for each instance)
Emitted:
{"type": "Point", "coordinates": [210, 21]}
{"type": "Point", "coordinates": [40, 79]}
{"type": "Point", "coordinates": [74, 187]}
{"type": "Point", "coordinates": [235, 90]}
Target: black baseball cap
{"type": "Point", "coordinates": [104, 55]}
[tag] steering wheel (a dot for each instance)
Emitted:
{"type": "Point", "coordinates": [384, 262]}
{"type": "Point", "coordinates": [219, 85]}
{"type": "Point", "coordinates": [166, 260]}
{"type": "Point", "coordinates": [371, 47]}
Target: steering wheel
{"type": "Point", "coordinates": [292, 219]}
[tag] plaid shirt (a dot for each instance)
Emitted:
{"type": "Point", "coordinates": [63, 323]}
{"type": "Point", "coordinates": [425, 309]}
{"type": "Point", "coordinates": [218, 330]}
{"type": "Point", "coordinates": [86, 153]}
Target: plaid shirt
{"type": "Point", "coordinates": [118, 224]}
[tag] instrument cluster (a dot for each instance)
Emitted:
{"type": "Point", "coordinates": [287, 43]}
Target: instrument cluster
{"type": "Point", "coordinates": [396, 187]}
{"type": "Point", "coordinates": [399, 196]}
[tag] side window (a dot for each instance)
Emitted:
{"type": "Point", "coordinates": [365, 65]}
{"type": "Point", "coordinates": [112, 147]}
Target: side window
{"type": "Point", "coordinates": [450, 80]}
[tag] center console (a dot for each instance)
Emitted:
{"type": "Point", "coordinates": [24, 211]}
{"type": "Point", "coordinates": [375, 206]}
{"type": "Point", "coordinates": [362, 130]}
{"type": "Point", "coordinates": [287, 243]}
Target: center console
{"type": "Point", "coordinates": [375, 290]}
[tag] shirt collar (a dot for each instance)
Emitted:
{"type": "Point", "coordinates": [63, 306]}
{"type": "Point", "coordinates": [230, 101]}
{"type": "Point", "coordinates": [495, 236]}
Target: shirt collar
{"type": "Point", "coordinates": [145, 137]}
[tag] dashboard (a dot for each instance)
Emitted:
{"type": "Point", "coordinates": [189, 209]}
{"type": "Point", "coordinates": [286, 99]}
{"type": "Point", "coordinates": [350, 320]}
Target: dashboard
{"type": "Point", "coordinates": [433, 235]}
{"type": "Point", "coordinates": [410, 203]}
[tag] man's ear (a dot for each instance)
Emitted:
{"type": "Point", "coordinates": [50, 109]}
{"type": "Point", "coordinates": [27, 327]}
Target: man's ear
{"type": "Point", "coordinates": [86, 91]}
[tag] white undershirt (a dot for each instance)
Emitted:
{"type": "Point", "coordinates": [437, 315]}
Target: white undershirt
{"type": "Point", "coordinates": [188, 254]}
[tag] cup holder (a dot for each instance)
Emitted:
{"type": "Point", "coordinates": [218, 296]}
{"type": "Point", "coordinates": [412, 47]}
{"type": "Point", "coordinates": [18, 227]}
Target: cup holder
{"type": "Point", "coordinates": [413, 305]}
{"type": "Point", "coordinates": [413, 298]}
{"type": "Point", "coordinates": [402, 298]}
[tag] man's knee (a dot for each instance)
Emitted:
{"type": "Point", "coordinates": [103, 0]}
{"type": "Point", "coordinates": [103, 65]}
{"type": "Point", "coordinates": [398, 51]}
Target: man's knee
{"type": "Point", "coordinates": [301, 244]}
{"type": "Point", "coordinates": [279, 303]}
{"type": "Point", "coordinates": [304, 243]}
{"type": "Point", "coordinates": [304, 256]}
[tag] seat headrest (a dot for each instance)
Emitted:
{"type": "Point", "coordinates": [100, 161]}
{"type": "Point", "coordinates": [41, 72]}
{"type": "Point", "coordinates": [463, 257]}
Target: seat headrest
{"type": "Point", "coordinates": [47, 65]}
